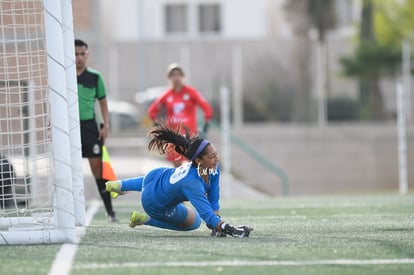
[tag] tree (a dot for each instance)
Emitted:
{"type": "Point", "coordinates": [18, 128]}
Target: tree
{"type": "Point", "coordinates": [320, 16]}
{"type": "Point", "coordinates": [305, 15]}
{"type": "Point", "coordinates": [383, 26]}
{"type": "Point", "coordinates": [369, 63]}
{"type": "Point", "coordinates": [394, 21]}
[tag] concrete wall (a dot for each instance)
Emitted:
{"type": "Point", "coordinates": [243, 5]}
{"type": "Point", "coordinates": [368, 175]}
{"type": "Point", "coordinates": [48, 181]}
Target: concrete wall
{"type": "Point", "coordinates": [337, 159]}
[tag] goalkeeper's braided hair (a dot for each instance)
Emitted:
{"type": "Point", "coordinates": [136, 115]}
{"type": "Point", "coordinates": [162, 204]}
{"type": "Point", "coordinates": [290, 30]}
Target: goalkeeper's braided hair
{"type": "Point", "coordinates": [163, 135]}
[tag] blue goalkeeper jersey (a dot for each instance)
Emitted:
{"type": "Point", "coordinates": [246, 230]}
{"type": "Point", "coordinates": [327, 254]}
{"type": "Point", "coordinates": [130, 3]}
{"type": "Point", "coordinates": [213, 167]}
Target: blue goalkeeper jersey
{"type": "Point", "coordinates": [168, 187]}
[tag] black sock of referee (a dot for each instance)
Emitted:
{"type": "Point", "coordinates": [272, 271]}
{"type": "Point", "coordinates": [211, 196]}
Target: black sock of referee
{"type": "Point", "coordinates": [105, 195]}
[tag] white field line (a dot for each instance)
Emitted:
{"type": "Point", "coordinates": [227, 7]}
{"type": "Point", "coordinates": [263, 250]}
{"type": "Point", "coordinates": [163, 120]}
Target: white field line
{"type": "Point", "coordinates": [247, 263]}
{"type": "Point", "coordinates": [64, 258]}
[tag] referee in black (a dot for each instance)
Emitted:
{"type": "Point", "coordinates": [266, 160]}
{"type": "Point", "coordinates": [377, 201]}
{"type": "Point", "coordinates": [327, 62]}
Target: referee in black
{"type": "Point", "coordinates": [91, 88]}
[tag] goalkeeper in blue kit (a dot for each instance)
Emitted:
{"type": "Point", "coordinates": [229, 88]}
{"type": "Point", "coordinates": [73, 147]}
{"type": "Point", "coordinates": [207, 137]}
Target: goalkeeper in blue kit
{"type": "Point", "coordinates": [164, 190]}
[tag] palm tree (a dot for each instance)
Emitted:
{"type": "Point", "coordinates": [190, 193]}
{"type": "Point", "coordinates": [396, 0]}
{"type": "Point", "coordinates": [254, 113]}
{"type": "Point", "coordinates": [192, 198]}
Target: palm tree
{"type": "Point", "coordinates": [370, 62]}
{"type": "Point", "coordinates": [318, 15]}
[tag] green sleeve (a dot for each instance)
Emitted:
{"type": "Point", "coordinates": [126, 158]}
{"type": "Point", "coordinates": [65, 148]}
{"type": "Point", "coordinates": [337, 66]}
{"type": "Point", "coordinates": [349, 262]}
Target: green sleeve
{"type": "Point", "coordinates": [100, 89]}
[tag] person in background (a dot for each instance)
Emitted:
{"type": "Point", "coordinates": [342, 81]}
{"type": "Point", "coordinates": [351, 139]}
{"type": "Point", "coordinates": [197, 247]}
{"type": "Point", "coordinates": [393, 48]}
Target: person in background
{"type": "Point", "coordinates": [180, 104]}
{"type": "Point", "coordinates": [91, 87]}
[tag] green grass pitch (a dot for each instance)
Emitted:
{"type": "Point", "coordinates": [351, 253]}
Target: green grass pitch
{"type": "Point", "coordinates": [316, 235]}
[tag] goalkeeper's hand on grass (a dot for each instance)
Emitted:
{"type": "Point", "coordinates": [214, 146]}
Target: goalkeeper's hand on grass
{"type": "Point", "coordinates": [217, 234]}
{"type": "Point", "coordinates": [239, 231]}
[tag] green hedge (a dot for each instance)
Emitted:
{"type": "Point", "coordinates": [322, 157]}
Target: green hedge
{"type": "Point", "coordinates": [343, 109]}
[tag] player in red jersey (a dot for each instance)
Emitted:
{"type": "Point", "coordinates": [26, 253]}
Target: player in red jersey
{"type": "Point", "coordinates": [180, 104]}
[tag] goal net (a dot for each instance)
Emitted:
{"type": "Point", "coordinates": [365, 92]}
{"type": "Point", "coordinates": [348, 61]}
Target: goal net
{"type": "Point", "coordinates": [41, 188]}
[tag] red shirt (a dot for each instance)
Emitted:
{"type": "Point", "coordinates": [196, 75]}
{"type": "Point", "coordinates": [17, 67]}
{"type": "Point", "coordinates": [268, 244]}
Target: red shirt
{"type": "Point", "coordinates": [181, 107]}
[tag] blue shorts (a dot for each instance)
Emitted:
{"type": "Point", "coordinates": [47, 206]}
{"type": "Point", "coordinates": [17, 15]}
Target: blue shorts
{"type": "Point", "coordinates": [175, 215]}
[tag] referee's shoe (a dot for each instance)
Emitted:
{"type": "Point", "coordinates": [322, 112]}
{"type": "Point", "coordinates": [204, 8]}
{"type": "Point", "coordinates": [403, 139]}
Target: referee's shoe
{"type": "Point", "coordinates": [112, 217]}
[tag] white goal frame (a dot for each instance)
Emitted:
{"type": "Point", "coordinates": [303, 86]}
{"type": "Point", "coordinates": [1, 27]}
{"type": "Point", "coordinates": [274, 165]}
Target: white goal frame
{"type": "Point", "coordinates": [68, 204]}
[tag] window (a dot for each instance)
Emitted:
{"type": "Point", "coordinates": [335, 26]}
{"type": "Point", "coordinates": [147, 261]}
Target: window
{"type": "Point", "coordinates": [176, 18]}
{"type": "Point", "coordinates": [209, 18]}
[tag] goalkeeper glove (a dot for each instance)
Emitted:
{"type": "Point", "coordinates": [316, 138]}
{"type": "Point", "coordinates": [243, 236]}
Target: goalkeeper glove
{"type": "Point", "coordinates": [217, 234]}
{"type": "Point", "coordinates": [114, 188]}
{"type": "Point", "coordinates": [114, 195]}
{"type": "Point", "coordinates": [239, 231]}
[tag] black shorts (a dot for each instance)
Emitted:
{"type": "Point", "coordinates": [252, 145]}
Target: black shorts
{"type": "Point", "coordinates": [91, 146]}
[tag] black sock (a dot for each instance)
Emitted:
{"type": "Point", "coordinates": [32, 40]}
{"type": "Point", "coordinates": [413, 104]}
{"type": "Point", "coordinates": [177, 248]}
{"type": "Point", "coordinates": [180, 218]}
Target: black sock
{"type": "Point", "coordinates": [105, 195]}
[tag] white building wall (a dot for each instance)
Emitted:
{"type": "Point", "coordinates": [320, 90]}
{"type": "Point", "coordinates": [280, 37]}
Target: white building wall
{"type": "Point", "coordinates": [152, 19]}
{"type": "Point", "coordinates": [245, 19]}
{"type": "Point", "coordinates": [126, 19]}
{"type": "Point", "coordinates": [132, 20]}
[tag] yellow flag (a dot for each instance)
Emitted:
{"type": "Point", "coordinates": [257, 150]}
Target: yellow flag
{"type": "Point", "coordinates": [108, 172]}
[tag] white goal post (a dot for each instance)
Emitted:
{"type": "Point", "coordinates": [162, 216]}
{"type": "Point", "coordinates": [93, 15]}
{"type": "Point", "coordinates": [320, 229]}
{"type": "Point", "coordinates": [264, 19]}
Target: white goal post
{"type": "Point", "coordinates": [41, 185]}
